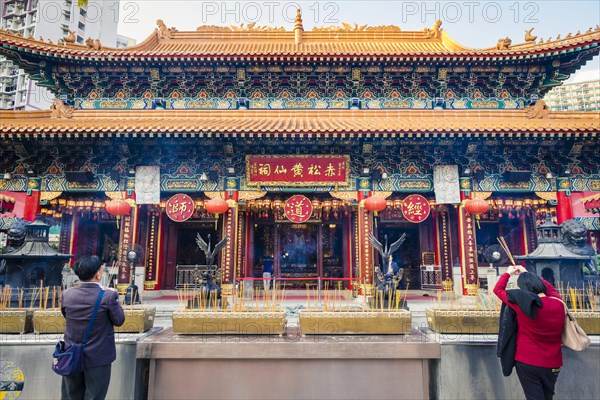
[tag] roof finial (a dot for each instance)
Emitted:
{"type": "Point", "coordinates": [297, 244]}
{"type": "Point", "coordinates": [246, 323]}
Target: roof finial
{"type": "Point", "coordinates": [298, 28]}
{"type": "Point", "coordinates": [529, 37]}
{"type": "Point", "coordinates": [435, 32]}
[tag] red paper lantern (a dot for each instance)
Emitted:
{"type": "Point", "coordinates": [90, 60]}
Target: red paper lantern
{"type": "Point", "coordinates": [216, 206]}
{"type": "Point", "coordinates": [118, 207]}
{"type": "Point", "coordinates": [375, 203]}
{"type": "Point", "coordinates": [476, 206]}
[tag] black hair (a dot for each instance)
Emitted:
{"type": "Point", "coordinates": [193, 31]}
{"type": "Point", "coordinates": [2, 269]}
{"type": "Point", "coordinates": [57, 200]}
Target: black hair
{"type": "Point", "coordinates": [86, 267]}
{"type": "Point", "coordinates": [531, 282]}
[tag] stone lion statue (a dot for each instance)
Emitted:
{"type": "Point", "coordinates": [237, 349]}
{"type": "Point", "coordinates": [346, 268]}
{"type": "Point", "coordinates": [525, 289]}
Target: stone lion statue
{"type": "Point", "coordinates": [574, 237]}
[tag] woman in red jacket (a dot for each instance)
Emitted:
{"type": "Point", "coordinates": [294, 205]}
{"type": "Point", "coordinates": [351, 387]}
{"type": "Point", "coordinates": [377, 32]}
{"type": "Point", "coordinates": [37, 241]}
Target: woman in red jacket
{"type": "Point", "coordinates": [540, 320]}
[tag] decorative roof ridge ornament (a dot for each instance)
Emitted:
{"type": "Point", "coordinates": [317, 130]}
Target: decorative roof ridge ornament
{"type": "Point", "coordinates": [504, 44]}
{"type": "Point", "coordinates": [251, 27]}
{"type": "Point", "coordinates": [363, 28]}
{"type": "Point", "coordinates": [298, 28]}
{"type": "Point", "coordinates": [346, 27]}
{"type": "Point", "coordinates": [59, 110]}
{"type": "Point", "coordinates": [529, 37]}
{"type": "Point", "coordinates": [70, 38]}
{"type": "Point", "coordinates": [163, 31]}
{"type": "Point", "coordinates": [435, 32]}
{"type": "Point", "coordinates": [213, 28]}
{"type": "Point", "coordinates": [539, 111]}
{"type": "Point", "coordinates": [93, 44]}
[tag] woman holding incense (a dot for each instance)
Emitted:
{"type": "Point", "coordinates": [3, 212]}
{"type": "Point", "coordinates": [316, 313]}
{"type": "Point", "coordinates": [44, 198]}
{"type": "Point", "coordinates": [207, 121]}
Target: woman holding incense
{"type": "Point", "coordinates": [539, 326]}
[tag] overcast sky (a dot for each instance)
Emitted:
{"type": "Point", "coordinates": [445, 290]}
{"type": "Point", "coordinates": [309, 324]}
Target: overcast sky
{"type": "Point", "coordinates": [477, 24]}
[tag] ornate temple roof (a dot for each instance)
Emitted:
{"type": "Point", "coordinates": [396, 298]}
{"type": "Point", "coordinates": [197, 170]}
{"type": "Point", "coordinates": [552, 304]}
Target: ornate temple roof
{"type": "Point", "coordinates": [208, 42]}
{"type": "Point", "coordinates": [342, 123]}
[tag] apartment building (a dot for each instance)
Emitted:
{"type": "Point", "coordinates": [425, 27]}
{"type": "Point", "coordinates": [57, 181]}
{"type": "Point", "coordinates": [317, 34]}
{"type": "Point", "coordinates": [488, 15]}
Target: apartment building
{"type": "Point", "coordinates": [582, 95]}
{"type": "Point", "coordinates": [124, 41]}
{"type": "Point", "coordinates": [50, 20]}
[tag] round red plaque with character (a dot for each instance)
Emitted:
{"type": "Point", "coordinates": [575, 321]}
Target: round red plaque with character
{"type": "Point", "coordinates": [298, 209]}
{"type": "Point", "coordinates": [180, 207]}
{"type": "Point", "coordinates": [416, 208]}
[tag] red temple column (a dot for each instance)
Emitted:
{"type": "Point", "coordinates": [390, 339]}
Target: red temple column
{"type": "Point", "coordinates": [364, 227]}
{"type": "Point", "coordinates": [231, 265]}
{"type": "Point", "coordinates": [32, 201]}
{"type": "Point", "coordinates": [564, 208]}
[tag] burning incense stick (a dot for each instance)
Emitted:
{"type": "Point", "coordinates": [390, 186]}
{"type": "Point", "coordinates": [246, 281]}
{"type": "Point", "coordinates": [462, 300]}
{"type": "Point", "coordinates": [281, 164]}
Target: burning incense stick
{"type": "Point", "coordinates": [506, 249]}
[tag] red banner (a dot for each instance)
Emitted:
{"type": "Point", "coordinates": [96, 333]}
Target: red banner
{"type": "Point", "coordinates": [313, 170]}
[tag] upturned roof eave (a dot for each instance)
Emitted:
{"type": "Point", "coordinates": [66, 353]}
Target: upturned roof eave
{"type": "Point", "coordinates": [248, 44]}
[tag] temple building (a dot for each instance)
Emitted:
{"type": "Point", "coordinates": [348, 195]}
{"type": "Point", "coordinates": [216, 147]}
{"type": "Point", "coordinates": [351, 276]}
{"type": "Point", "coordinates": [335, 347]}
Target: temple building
{"type": "Point", "coordinates": [296, 130]}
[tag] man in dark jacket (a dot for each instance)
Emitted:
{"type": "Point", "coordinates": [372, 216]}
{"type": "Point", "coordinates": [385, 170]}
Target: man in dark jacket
{"type": "Point", "coordinates": [100, 351]}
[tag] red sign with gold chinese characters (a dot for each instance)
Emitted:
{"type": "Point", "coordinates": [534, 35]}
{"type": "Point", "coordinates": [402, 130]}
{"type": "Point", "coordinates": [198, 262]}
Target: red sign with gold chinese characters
{"type": "Point", "coordinates": [180, 207]}
{"type": "Point", "coordinates": [314, 170]}
{"type": "Point", "coordinates": [298, 209]}
{"type": "Point", "coordinates": [416, 208]}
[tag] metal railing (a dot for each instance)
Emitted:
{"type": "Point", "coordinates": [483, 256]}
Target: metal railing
{"type": "Point", "coordinates": [186, 275]}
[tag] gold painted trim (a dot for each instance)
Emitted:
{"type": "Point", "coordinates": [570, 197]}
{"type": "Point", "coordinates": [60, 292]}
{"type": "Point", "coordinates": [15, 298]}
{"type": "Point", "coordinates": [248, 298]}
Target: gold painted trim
{"type": "Point", "coordinates": [347, 196]}
{"type": "Point", "coordinates": [215, 195]}
{"type": "Point", "coordinates": [548, 196]}
{"type": "Point", "coordinates": [115, 195]}
{"type": "Point", "coordinates": [49, 195]}
{"type": "Point", "coordinates": [481, 195]}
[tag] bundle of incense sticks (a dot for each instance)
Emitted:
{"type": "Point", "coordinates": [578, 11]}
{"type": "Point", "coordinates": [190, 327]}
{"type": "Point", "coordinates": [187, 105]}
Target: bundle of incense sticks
{"type": "Point", "coordinates": [579, 299]}
{"type": "Point", "coordinates": [504, 246]}
{"type": "Point", "coordinates": [5, 297]}
{"type": "Point", "coordinates": [34, 296]}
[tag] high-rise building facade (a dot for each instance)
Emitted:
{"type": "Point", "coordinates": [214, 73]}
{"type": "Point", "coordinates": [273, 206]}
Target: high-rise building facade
{"type": "Point", "coordinates": [124, 41]}
{"type": "Point", "coordinates": [579, 96]}
{"type": "Point", "coordinates": [51, 21]}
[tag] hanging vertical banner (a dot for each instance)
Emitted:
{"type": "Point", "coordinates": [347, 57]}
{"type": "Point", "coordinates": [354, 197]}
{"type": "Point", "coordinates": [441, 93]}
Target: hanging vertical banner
{"type": "Point", "coordinates": [147, 185]}
{"type": "Point", "coordinates": [446, 184]}
{"type": "Point", "coordinates": [468, 248]}
{"type": "Point", "coordinates": [151, 271]}
{"type": "Point", "coordinates": [444, 246]}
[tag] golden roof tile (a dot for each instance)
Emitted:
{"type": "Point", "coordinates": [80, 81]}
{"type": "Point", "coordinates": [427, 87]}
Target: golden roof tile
{"type": "Point", "coordinates": [212, 41]}
{"type": "Point", "coordinates": [298, 122]}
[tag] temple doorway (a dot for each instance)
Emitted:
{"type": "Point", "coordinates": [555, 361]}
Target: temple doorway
{"type": "Point", "coordinates": [408, 256]}
{"type": "Point", "coordinates": [181, 252]}
{"type": "Point", "coordinates": [300, 253]}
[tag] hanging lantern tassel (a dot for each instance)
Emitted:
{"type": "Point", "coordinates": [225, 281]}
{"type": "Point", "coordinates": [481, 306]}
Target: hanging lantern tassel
{"type": "Point", "coordinates": [477, 207]}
